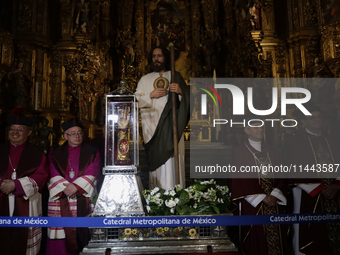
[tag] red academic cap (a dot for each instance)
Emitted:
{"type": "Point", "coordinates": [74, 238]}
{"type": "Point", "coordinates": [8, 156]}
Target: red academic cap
{"type": "Point", "coordinates": [18, 118]}
{"type": "Point", "coordinates": [72, 123]}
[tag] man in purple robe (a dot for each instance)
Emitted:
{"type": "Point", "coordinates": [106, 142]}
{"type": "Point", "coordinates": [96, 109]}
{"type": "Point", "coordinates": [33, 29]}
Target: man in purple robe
{"type": "Point", "coordinates": [74, 168]}
{"type": "Point", "coordinates": [258, 194]}
{"type": "Point", "coordinates": [23, 173]}
{"type": "Point", "coordinates": [310, 148]}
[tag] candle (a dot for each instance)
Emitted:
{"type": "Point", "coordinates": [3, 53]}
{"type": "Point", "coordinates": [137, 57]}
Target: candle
{"type": "Point", "coordinates": [79, 102]}
{"type": "Point", "coordinates": [36, 96]}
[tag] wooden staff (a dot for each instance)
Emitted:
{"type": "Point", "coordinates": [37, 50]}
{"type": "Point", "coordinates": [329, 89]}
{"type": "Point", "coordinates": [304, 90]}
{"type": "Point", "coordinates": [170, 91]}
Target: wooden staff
{"type": "Point", "coordinates": [174, 116]}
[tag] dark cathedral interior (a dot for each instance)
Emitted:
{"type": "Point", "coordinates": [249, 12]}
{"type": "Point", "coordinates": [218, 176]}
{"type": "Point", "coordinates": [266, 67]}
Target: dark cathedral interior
{"type": "Point", "coordinates": [60, 58]}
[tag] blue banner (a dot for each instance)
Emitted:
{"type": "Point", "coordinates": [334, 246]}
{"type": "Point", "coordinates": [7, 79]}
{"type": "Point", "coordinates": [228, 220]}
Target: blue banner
{"type": "Point", "coordinates": [166, 221]}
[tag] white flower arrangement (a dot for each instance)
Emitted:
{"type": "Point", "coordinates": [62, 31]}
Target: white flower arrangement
{"type": "Point", "coordinates": [203, 197]}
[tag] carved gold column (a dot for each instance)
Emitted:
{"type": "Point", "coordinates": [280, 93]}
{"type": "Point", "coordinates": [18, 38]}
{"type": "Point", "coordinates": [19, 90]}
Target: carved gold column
{"type": "Point", "coordinates": [273, 52]}
{"type": "Point", "coordinates": [126, 10]}
{"type": "Point", "coordinates": [6, 59]}
{"type": "Point", "coordinates": [105, 18]}
{"type": "Point", "coordinates": [196, 38]}
{"type": "Point", "coordinates": [125, 15]}
{"type": "Point", "coordinates": [268, 19]}
{"type": "Point", "coordinates": [150, 5]}
{"type": "Point", "coordinates": [209, 12]}
{"type": "Point", "coordinates": [23, 19]}
{"type": "Point", "coordinates": [53, 97]}
{"type": "Point", "coordinates": [140, 39]}
{"type": "Point", "coordinates": [303, 35]}
{"type": "Point", "coordinates": [209, 8]}
{"type": "Point", "coordinates": [294, 47]}
{"type": "Point", "coordinates": [22, 26]}
{"type": "Point", "coordinates": [329, 39]}
{"type": "Point", "coordinates": [66, 19]}
{"type": "Point", "coordinates": [80, 62]}
{"type": "Point", "coordinates": [229, 16]}
{"type": "Point", "coordinates": [39, 75]}
{"type": "Point", "coordinates": [281, 60]}
{"type": "Point", "coordinates": [312, 49]}
{"type": "Point", "coordinates": [106, 43]}
{"type": "Point", "coordinates": [311, 44]}
{"type": "Point", "coordinates": [31, 35]}
{"type": "Point", "coordinates": [268, 39]}
{"type": "Point", "coordinates": [297, 67]}
{"type": "Point", "coordinates": [6, 51]}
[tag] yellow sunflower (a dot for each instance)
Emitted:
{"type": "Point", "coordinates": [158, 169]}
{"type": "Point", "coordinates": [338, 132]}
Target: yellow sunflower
{"type": "Point", "coordinates": [180, 228]}
{"type": "Point", "coordinates": [160, 231]}
{"type": "Point", "coordinates": [192, 232]}
{"type": "Point", "coordinates": [127, 231]}
{"type": "Point", "coordinates": [134, 231]}
{"type": "Point", "coordinates": [166, 229]}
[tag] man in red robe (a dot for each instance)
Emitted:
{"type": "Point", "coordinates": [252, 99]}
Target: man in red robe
{"type": "Point", "coordinates": [310, 195]}
{"type": "Point", "coordinates": [259, 194]}
{"type": "Point", "coordinates": [74, 168]}
{"type": "Point", "coordinates": [23, 173]}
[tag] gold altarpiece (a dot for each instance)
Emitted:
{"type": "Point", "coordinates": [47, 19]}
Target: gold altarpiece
{"type": "Point", "coordinates": [74, 50]}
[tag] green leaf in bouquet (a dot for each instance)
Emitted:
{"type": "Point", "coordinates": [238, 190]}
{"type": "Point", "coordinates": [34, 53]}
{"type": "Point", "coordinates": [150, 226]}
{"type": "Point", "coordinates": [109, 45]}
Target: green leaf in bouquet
{"type": "Point", "coordinates": [200, 187]}
{"type": "Point", "coordinates": [227, 203]}
{"type": "Point", "coordinates": [94, 199]}
{"type": "Point", "coordinates": [167, 212]}
{"type": "Point", "coordinates": [182, 210]}
{"type": "Point", "coordinates": [183, 197]}
{"type": "Point", "coordinates": [202, 203]}
{"type": "Point", "coordinates": [203, 209]}
{"type": "Point", "coordinates": [215, 207]}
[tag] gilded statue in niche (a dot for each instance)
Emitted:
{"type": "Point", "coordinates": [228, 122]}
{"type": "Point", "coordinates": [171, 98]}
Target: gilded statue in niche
{"type": "Point", "coordinates": [81, 17]}
{"type": "Point", "coordinates": [207, 48]}
{"type": "Point", "coordinates": [85, 12]}
{"type": "Point", "coordinates": [254, 11]}
{"type": "Point", "coordinates": [330, 11]}
{"type": "Point", "coordinates": [129, 52]}
{"type": "Point", "coordinates": [125, 49]}
{"type": "Point", "coordinates": [44, 133]}
{"type": "Point", "coordinates": [319, 70]}
{"type": "Point", "coordinates": [168, 25]}
{"type": "Point", "coordinates": [322, 90]}
{"type": "Point", "coordinates": [74, 104]}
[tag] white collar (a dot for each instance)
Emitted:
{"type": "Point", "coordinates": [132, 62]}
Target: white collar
{"type": "Point", "coordinates": [255, 145]}
{"type": "Point", "coordinates": [309, 132]}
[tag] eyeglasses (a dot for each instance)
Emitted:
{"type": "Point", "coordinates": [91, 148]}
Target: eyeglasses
{"type": "Point", "coordinates": [74, 134]}
{"type": "Point", "coordinates": [12, 129]}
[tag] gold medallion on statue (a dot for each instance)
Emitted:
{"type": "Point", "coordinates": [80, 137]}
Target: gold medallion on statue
{"type": "Point", "coordinates": [161, 82]}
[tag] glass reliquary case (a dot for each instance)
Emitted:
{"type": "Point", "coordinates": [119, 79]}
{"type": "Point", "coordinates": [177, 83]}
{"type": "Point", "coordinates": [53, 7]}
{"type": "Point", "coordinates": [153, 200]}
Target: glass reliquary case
{"type": "Point", "coordinates": [121, 135]}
